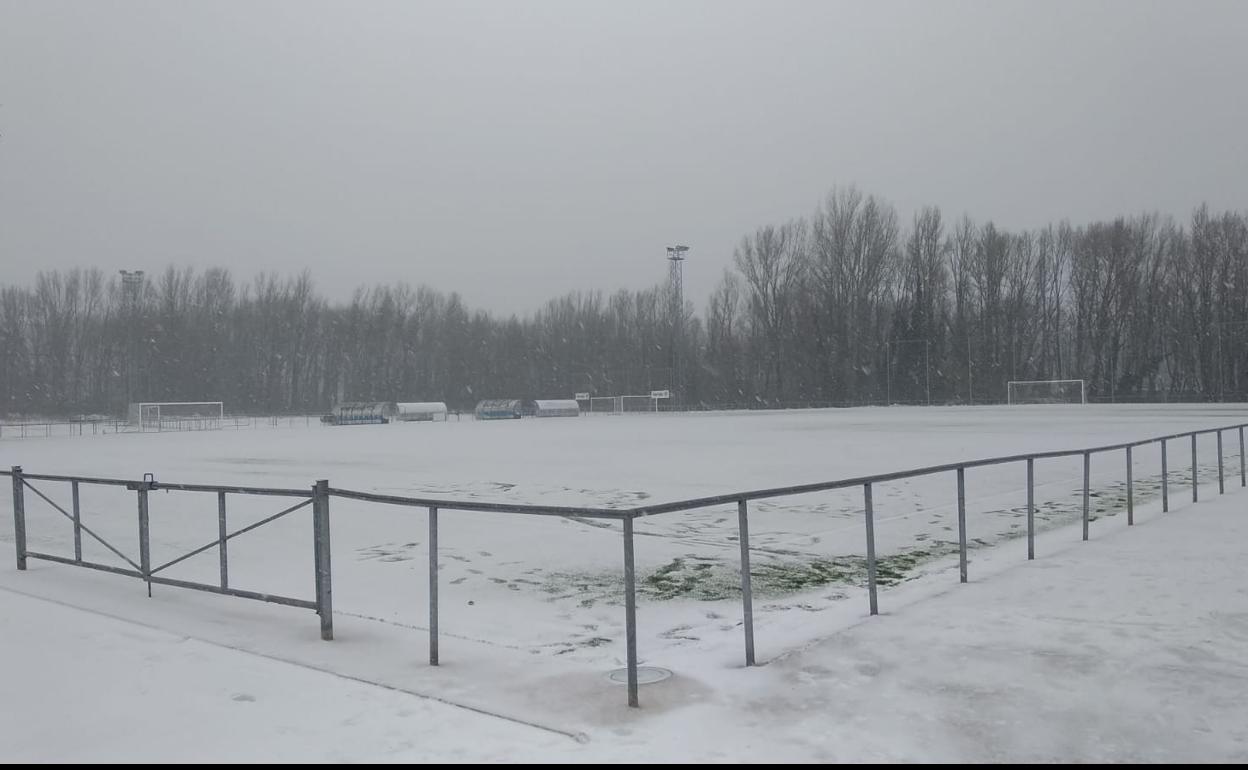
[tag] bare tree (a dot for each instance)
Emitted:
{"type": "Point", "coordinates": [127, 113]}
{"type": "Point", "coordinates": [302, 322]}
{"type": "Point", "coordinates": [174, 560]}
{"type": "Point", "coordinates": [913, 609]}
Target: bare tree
{"type": "Point", "coordinates": [774, 263]}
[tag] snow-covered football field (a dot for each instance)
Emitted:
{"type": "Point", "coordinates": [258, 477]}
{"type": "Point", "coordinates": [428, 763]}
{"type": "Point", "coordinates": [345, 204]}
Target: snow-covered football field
{"type": "Point", "coordinates": [531, 607]}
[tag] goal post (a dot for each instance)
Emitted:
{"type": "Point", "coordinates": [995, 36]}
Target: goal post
{"type": "Point", "coordinates": [635, 404]}
{"type": "Point", "coordinates": [177, 415]}
{"type": "Point", "coordinates": [639, 404]}
{"type": "Point", "coordinates": [604, 405]}
{"type": "Point", "coordinates": [1046, 392]}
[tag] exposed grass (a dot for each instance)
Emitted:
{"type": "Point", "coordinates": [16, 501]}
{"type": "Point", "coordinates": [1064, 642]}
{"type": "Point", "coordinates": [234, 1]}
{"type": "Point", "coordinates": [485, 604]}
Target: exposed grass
{"type": "Point", "coordinates": [712, 578]}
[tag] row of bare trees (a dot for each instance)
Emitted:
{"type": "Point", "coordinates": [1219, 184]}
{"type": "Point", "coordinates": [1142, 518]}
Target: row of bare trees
{"type": "Point", "coordinates": [849, 305]}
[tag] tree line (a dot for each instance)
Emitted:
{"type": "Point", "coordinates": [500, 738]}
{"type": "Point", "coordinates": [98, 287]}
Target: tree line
{"type": "Point", "coordinates": [848, 305]}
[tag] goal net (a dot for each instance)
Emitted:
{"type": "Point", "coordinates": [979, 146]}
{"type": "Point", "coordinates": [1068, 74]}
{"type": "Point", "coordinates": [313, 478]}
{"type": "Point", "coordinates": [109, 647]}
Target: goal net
{"type": "Point", "coordinates": [177, 415]}
{"type": "Point", "coordinates": [604, 405]}
{"type": "Point", "coordinates": [639, 404]}
{"type": "Point", "coordinates": [1046, 392]}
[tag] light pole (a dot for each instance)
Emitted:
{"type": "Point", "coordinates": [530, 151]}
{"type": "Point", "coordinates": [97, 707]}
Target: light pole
{"type": "Point", "coordinates": [131, 285]}
{"type": "Point", "coordinates": [676, 279]}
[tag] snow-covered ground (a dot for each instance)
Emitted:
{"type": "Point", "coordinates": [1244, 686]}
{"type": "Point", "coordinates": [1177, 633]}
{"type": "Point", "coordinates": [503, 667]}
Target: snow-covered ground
{"type": "Point", "coordinates": [531, 614]}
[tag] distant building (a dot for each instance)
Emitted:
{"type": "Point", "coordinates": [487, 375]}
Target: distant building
{"type": "Point", "coordinates": [361, 413]}
{"type": "Point", "coordinates": [420, 411]}
{"type": "Point", "coordinates": [553, 408]}
{"type": "Point", "coordinates": [499, 409]}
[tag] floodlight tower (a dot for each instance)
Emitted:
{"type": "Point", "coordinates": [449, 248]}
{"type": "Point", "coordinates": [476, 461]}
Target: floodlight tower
{"type": "Point", "coordinates": [131, 286]}
{"type": "Point", "coordinates": [676, 288]}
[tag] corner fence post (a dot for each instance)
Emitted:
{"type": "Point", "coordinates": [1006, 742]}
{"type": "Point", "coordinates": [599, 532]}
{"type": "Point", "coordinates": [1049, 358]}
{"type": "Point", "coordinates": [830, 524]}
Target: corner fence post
{"type": "Point", "coordinates": [433, 586]}
{"type": "Point", "coordinates": [868, 508]}
{"type": "Point", "coordinates": [321, 556]}
{"type": "Point", "coordinates": [19, 516]}
{"type": "Point", "coordinates": [630, 611]}
{"type": "Point", "coordinates": [747, 592]}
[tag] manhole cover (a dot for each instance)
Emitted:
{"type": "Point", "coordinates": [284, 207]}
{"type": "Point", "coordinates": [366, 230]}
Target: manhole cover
{"type": "Point", "coordinates": [645, 675]}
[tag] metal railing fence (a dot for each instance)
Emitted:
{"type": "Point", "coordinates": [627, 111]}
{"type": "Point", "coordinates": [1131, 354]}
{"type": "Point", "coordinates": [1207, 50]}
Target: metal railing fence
{"type": "Point", "coordinates": [319, 494]}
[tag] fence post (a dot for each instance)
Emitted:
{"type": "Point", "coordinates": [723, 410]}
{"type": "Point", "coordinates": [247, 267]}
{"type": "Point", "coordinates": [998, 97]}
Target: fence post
{"type": "Point", "coordinates": [1221, 481]}
{"type": "Point", "coordinates": [433, 586]}
{"type": "Point", "coordinates": [869, 508]}
{"type": "Point", "coordinates": [1195, 494]}
{"type": "Point", "coordinates": [221, 547]}
{"type": "Point", "coordinates": [747, 592]}
{"type": "Point", "coordinates": [1165, 480]}
{"type": "Point", "coordinates": [1031, 508]}
{"type": "Point", "coordinates": [321, 552]}
{"type": "Point", "coordinates": [77, 523]}
{"type": "Point", "coordinates": [1087, 480]}
{"type": "Point", "coordinates": [962, 524]}
{"type": "Point", "coordinates": [145, 543]}
{"type": "Point", "coordinates": [1130, 492]}
{"type": "Point", "coordinates": [1243, 470]}
{"type": "Point", "coordinates": [316, 546]}
{"type": "Point", "coordinates": [19, 516]}
{"type": "Point", "coordinates": [630, 611]}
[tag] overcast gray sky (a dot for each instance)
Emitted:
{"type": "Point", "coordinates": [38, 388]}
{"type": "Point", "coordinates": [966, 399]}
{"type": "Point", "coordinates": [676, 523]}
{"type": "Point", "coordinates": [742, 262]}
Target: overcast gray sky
{"type": "Point", "coordinates": [513, 151]}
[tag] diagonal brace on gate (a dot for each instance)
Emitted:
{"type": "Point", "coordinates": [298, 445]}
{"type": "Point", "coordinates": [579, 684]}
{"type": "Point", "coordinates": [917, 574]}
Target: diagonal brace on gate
{"type": "Point", "coordinates": [232, 535]}
{"type": "Point", "coordinates": [81, 526]}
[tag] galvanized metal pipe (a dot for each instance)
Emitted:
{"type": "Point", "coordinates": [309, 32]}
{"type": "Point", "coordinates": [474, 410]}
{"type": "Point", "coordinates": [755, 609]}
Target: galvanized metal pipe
{"type": "Point", "coordinates": [222, 538]}
{"type": "Point", "coordinates": [325, 585]}
{"type": "Point", "coordinates": [212, 589]}
{"type": "Point", "coordinates": [77, 521]}
{"type": "Point", "coordinates": [962, 524]}
{"type": "Point", "coordinates": [433, 586]}
{"type": "Point", "coordinates": [1130, 491]}
{"type": "Point", "coordinates": [870, 519]}
{"type": "Point", "coordinates": [1087, 481]}
{"type": "Point", "coordinates": [630, 613]}
{"type": "Point", "coordinates": [1221, 479]}
{"type": "Point", "coordinates": [1195, 483]}
{"type": "Point", "coordinates": [145, 546]}
{"type": "Point", "coordinates": [1243, 468]}
{"type": "Point", "coordinates": [747, 591]}
{"type": "Point", "coordinates": [19, 516]}
{"type": "Point", "coordinates": [1165, 480]}
{"type": "Point", "coordinates": [1031, 508]}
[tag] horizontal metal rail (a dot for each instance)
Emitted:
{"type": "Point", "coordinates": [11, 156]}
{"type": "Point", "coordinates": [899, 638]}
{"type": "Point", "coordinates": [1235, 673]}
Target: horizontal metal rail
{"type": "Point", "coordinates": [263, 491]}
{"type": "Point", "coordinates": [460, 505]}
{"type": "Point", "coordinates": [79, 479]}
{"type": "Point", "coordinates": [270, 598]}
{"type": "Point", "coordinates": [857, 481]}
{"type": "Point", "coordinates": [159, 485]}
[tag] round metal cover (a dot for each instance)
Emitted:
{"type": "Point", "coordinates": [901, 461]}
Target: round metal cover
{"type": "Point", "coordinates": [645, 675]}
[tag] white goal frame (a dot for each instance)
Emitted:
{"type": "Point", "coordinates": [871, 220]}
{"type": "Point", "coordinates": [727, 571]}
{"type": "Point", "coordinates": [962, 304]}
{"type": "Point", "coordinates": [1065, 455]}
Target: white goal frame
{"type": "Point", "coordinates": [159, 416]}
{"type": "Point", "coordinates": [1013, 400]}
{"type": "Point", "coordinates": [650, 401]}
{"type": "Point", "coordinates": [613, 402]}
